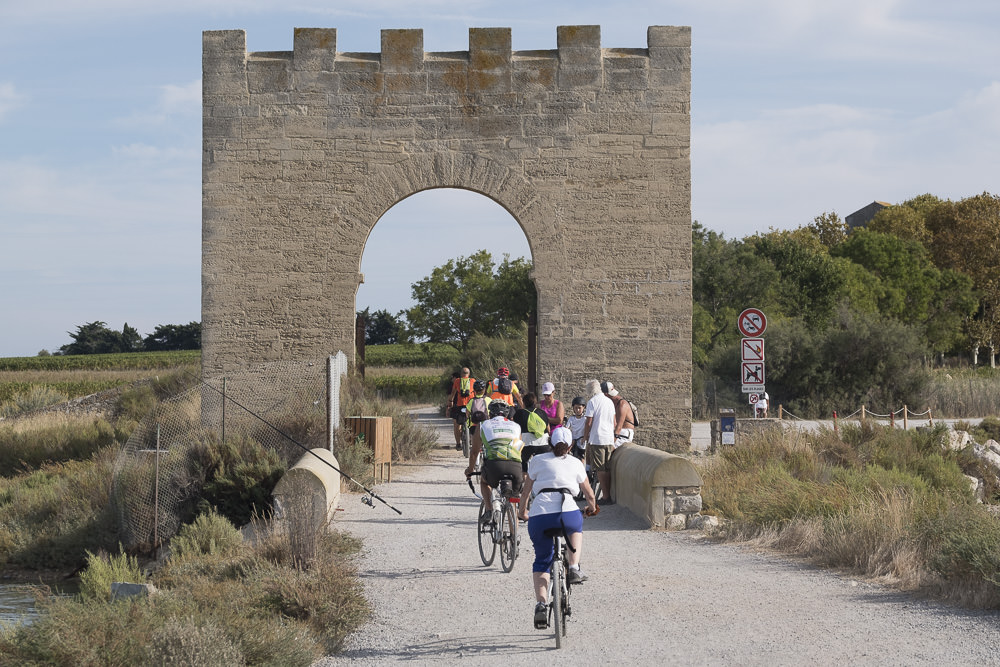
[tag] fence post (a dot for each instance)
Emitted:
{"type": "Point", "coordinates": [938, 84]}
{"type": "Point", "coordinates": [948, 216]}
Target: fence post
{"type": "Point", "coordinates": [835, 422]}
{"type": "Point", "coordinates": [156, 493]}
{"type": "Point", "coordinates": [930, 417]}
{"type": "Point", "coordinates": [862, 413]}
{"type": "Point", "coordinates": [781, 411]}
{"type": "Point", "coordinates": [892, 419]}
{"type": "Point", "coordinates": [906, 421]}
{"type": "Point", "coordinates": [223, 409]}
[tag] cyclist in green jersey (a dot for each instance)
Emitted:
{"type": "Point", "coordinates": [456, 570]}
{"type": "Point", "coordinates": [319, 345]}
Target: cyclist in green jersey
{"type": "Point", "coordinates": [500, 441]}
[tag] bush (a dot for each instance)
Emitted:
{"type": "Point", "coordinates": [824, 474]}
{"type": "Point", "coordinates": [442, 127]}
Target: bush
{"type": "Point", "coordinates": [102, 570]}
{"type": "Point", "coordinates": [189, 642]}
{"type": "Point", "coordinates": [240, 475]}
{"type": "Point", "coordinates": [209, 534]}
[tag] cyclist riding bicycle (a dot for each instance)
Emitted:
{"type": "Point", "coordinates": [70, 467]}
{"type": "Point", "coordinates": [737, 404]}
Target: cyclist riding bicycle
{"type": "Point", "coordinates": [554, 479]}
{"type": "Point", "coordinates": [504, 389]}
{"type": "Point", "coordinates": [500, 440]}
{"type": "Point", "coordinates": [461, 394]}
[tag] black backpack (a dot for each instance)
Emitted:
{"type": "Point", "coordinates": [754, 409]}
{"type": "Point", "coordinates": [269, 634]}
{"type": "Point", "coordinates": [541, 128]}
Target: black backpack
{"type": "Point", "coordinates": [504, 385]}
{"type": "Point", "coordinates": [477, 410]}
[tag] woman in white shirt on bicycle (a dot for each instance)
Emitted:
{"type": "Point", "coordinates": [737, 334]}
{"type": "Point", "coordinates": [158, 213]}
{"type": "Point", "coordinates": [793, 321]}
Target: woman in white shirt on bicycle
{"type": "Point", "coordinates": [555, 478]}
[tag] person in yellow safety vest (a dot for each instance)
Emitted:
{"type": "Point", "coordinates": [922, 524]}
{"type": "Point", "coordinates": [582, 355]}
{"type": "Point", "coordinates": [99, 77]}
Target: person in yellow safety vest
{"type": "Point", "coordinates": [499, 438]}
{"type": "Point", "coordinates": [461, 394]}
{"type": "Point", "coordinates": [501, 383]}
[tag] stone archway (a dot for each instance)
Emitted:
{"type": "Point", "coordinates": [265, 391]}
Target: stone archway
{"type": "Point", "coordinates": [588, 148]}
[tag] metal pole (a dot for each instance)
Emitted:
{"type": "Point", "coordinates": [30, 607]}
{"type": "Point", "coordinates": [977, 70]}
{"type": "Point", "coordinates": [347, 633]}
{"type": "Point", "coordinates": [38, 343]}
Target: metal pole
{"type": "Point", "coordinates": [223, 409]}
{"type": "Point", "coordinates": [156, 494]}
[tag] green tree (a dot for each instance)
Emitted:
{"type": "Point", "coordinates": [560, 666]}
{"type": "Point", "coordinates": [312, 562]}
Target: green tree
{"type": "Point", "coordinates": [966, 238]}
{"type": "Point", "coordinates": [174, 337]}
{"type": "Point", "coordinates": [96, 338]}
{"type": "Point", "coordinates": [811, 282]}
{"type": "Point", "coordinates": [384, 328]}
{"type": "Point", "coordinates": [828, 229]}
{"type": "Point", "coordinates": [471, 294]}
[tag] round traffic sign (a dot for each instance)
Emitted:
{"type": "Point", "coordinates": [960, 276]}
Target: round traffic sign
{"type": "Point", "coordinates": [751, 322]}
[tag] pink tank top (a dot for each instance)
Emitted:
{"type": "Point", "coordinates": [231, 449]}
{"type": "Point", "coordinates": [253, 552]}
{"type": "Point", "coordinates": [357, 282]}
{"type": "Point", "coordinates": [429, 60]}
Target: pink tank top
{"type": "Point", "coordinates": [552, 411]}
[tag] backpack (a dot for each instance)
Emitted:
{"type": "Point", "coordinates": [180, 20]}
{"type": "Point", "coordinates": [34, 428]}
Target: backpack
{"type": "Point", "coordinates": [504, 385]}
{"type": "Point", "coordinates": [464, 384]}
{"type": "Point", "coordinates": [477, 410]}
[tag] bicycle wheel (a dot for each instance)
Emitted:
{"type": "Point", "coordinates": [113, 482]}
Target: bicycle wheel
{"type": "Point", "coordinates": [465, 441]}
{"type": "Point", "coordinates": [558, 590]}
{"type": "Point", "coordinates": [484, 527]}
{"type": "Point", "coordinates": [508, 537]}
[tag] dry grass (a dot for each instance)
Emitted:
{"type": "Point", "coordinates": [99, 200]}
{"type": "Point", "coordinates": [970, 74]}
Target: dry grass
{"type": "Point", "coordinates": [406, 371]}
{"type": "Point", "coordinates": [881, 504]}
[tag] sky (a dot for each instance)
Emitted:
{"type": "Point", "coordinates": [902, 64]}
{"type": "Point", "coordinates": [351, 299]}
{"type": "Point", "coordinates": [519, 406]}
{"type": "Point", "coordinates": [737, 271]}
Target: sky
{"type": "Point", "coordinates": [799, 107]}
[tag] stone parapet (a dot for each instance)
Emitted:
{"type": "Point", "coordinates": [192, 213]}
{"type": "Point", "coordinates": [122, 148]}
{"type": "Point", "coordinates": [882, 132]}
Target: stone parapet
{"type": "Point", "coordinates": [662, 488]}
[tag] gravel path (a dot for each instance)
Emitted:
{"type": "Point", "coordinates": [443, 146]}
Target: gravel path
{"type": "Point", "coordinates": [652, 598]}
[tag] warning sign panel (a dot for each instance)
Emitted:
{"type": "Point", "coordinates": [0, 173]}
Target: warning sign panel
{"type": "Point", "coordinates": [752, 349]}
{"type": "Point", "coordinates": [753, 377]}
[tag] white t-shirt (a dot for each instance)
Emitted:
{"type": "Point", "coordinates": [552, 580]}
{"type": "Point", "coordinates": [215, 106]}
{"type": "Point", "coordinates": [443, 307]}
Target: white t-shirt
{"type": "Point", "coordinates": [602, 428]}
{"type": "Point", "coordinates": [548, 471]}
{"type": "Point", "coordinates": [576, 427]}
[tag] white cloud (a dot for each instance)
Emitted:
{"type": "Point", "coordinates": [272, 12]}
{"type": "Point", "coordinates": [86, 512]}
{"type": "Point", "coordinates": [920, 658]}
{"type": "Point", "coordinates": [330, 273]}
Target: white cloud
{"type": "Point", "coordinates": [809, 160]}
{"type": "Point", "coordinates": [10, 99]}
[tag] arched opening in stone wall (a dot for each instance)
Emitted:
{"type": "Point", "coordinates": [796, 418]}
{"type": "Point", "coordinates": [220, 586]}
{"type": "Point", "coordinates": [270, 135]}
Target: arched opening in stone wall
{"type": "Point", "coordinates": [424, 231]}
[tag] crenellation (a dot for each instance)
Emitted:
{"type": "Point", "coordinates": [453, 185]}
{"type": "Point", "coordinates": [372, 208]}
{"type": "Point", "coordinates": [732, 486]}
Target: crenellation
{"type": "Point", "coordinates": [402, 50]}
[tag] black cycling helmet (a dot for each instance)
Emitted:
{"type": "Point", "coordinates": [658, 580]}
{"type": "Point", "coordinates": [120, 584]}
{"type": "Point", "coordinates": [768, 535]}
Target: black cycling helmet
{"type": "Point", "coordinates": [513, 377]}
{"type": "Point", "coordinates": [497, 409]}
{"type": "Point", "coordinates": [479, 385]}
{"type": "Point", "coordinates": [579, 400]}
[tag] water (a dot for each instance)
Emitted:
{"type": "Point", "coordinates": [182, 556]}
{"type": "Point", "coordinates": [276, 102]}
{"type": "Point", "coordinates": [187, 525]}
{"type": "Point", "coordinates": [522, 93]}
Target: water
{"type": "Point", "coordinates": [17, 605]}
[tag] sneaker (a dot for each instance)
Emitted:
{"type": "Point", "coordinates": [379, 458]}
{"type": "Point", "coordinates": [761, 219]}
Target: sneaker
{"type": "Point", "coordinates": [576, 576]}
{"type": "Point", "coordinates": [541, 616]}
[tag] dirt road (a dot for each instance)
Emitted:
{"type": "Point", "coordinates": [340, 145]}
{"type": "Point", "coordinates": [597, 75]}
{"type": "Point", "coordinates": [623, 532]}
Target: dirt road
{"type": "Point", "coordinates": [652, 598]}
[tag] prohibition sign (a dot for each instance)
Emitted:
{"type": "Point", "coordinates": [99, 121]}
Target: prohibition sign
{"type": "Point", "coordinates": [751, 322]}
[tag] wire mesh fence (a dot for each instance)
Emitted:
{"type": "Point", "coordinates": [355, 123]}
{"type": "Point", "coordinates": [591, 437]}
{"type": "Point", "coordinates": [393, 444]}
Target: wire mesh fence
{"type": "Point", "coordinates": [282, 407]}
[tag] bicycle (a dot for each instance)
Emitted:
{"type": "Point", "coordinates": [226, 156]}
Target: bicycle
{"type": "Point", "coordinates": [464, 428]}
{"type": "Point", "coordinates": [559, 608]}
{"type": "Point", "coordinates": [558, 605]}
{"type": "Point", "coordinates": [497, 524]}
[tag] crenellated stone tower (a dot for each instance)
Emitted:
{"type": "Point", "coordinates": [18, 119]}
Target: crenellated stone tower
{"type": "Point", "coordinates": [588, 148]}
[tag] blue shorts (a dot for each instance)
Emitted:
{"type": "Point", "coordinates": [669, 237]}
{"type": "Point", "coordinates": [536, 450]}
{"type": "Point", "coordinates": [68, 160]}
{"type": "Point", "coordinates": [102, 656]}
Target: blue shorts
{"type": "Point", "coordinates": [537, 525]}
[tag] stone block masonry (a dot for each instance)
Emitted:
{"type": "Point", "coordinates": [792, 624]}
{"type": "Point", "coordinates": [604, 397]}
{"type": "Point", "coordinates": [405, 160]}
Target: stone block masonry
{"type": "Point", "coordinates": [587, 147]}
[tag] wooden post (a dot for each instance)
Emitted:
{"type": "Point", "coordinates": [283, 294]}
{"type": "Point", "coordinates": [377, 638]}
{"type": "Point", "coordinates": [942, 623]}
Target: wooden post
{"type": "Point", "coordinates": [781, 411]}
{"type": "Point", "coordinates": [930, 417]}
{"type": "Point", "coordinates": [905, 420]}
{"type": "Point", "coordinates": [862, 413]}
{"type": "Point", "coordinates": [835, 422]}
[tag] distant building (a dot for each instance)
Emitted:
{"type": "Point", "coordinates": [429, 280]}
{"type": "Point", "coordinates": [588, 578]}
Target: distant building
{"type": "Point", "coordinates": [863, 216]}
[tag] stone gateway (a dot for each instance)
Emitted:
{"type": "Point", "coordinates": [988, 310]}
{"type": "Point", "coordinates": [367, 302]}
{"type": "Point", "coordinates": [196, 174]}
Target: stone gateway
{"type": "Point", "coordinates": [588, 148]}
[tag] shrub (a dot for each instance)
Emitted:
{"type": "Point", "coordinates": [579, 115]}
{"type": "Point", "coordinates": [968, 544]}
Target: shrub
{"type": "Point", "coordinates": [210, 534]}
{"type": "Point", "coordinates": [190, 642]}
{"type": "Point", "coordinates": [239, 475]}
{"type": "Point", "coordinates": [102, 570]}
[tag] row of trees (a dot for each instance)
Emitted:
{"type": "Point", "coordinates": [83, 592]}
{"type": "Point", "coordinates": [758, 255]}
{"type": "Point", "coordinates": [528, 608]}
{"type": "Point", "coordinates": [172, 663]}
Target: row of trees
{"type": "Point", "coordinates": [97, 338]}
{"type": "Point", "coordinates": [464, 296]}
{"type": "Point", "coordinates": [854, 314]}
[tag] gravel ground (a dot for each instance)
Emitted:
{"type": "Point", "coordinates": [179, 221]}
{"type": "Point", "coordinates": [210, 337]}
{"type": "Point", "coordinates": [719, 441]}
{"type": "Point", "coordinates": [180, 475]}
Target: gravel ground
{"type": "Point", "coordinates": [652, 598]}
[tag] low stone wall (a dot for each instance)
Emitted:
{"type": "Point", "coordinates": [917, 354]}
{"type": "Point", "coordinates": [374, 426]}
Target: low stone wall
{"type": "Point", "coordinates": [309, 491]}
{"type": "Point", "coordinates": [662, 488]}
